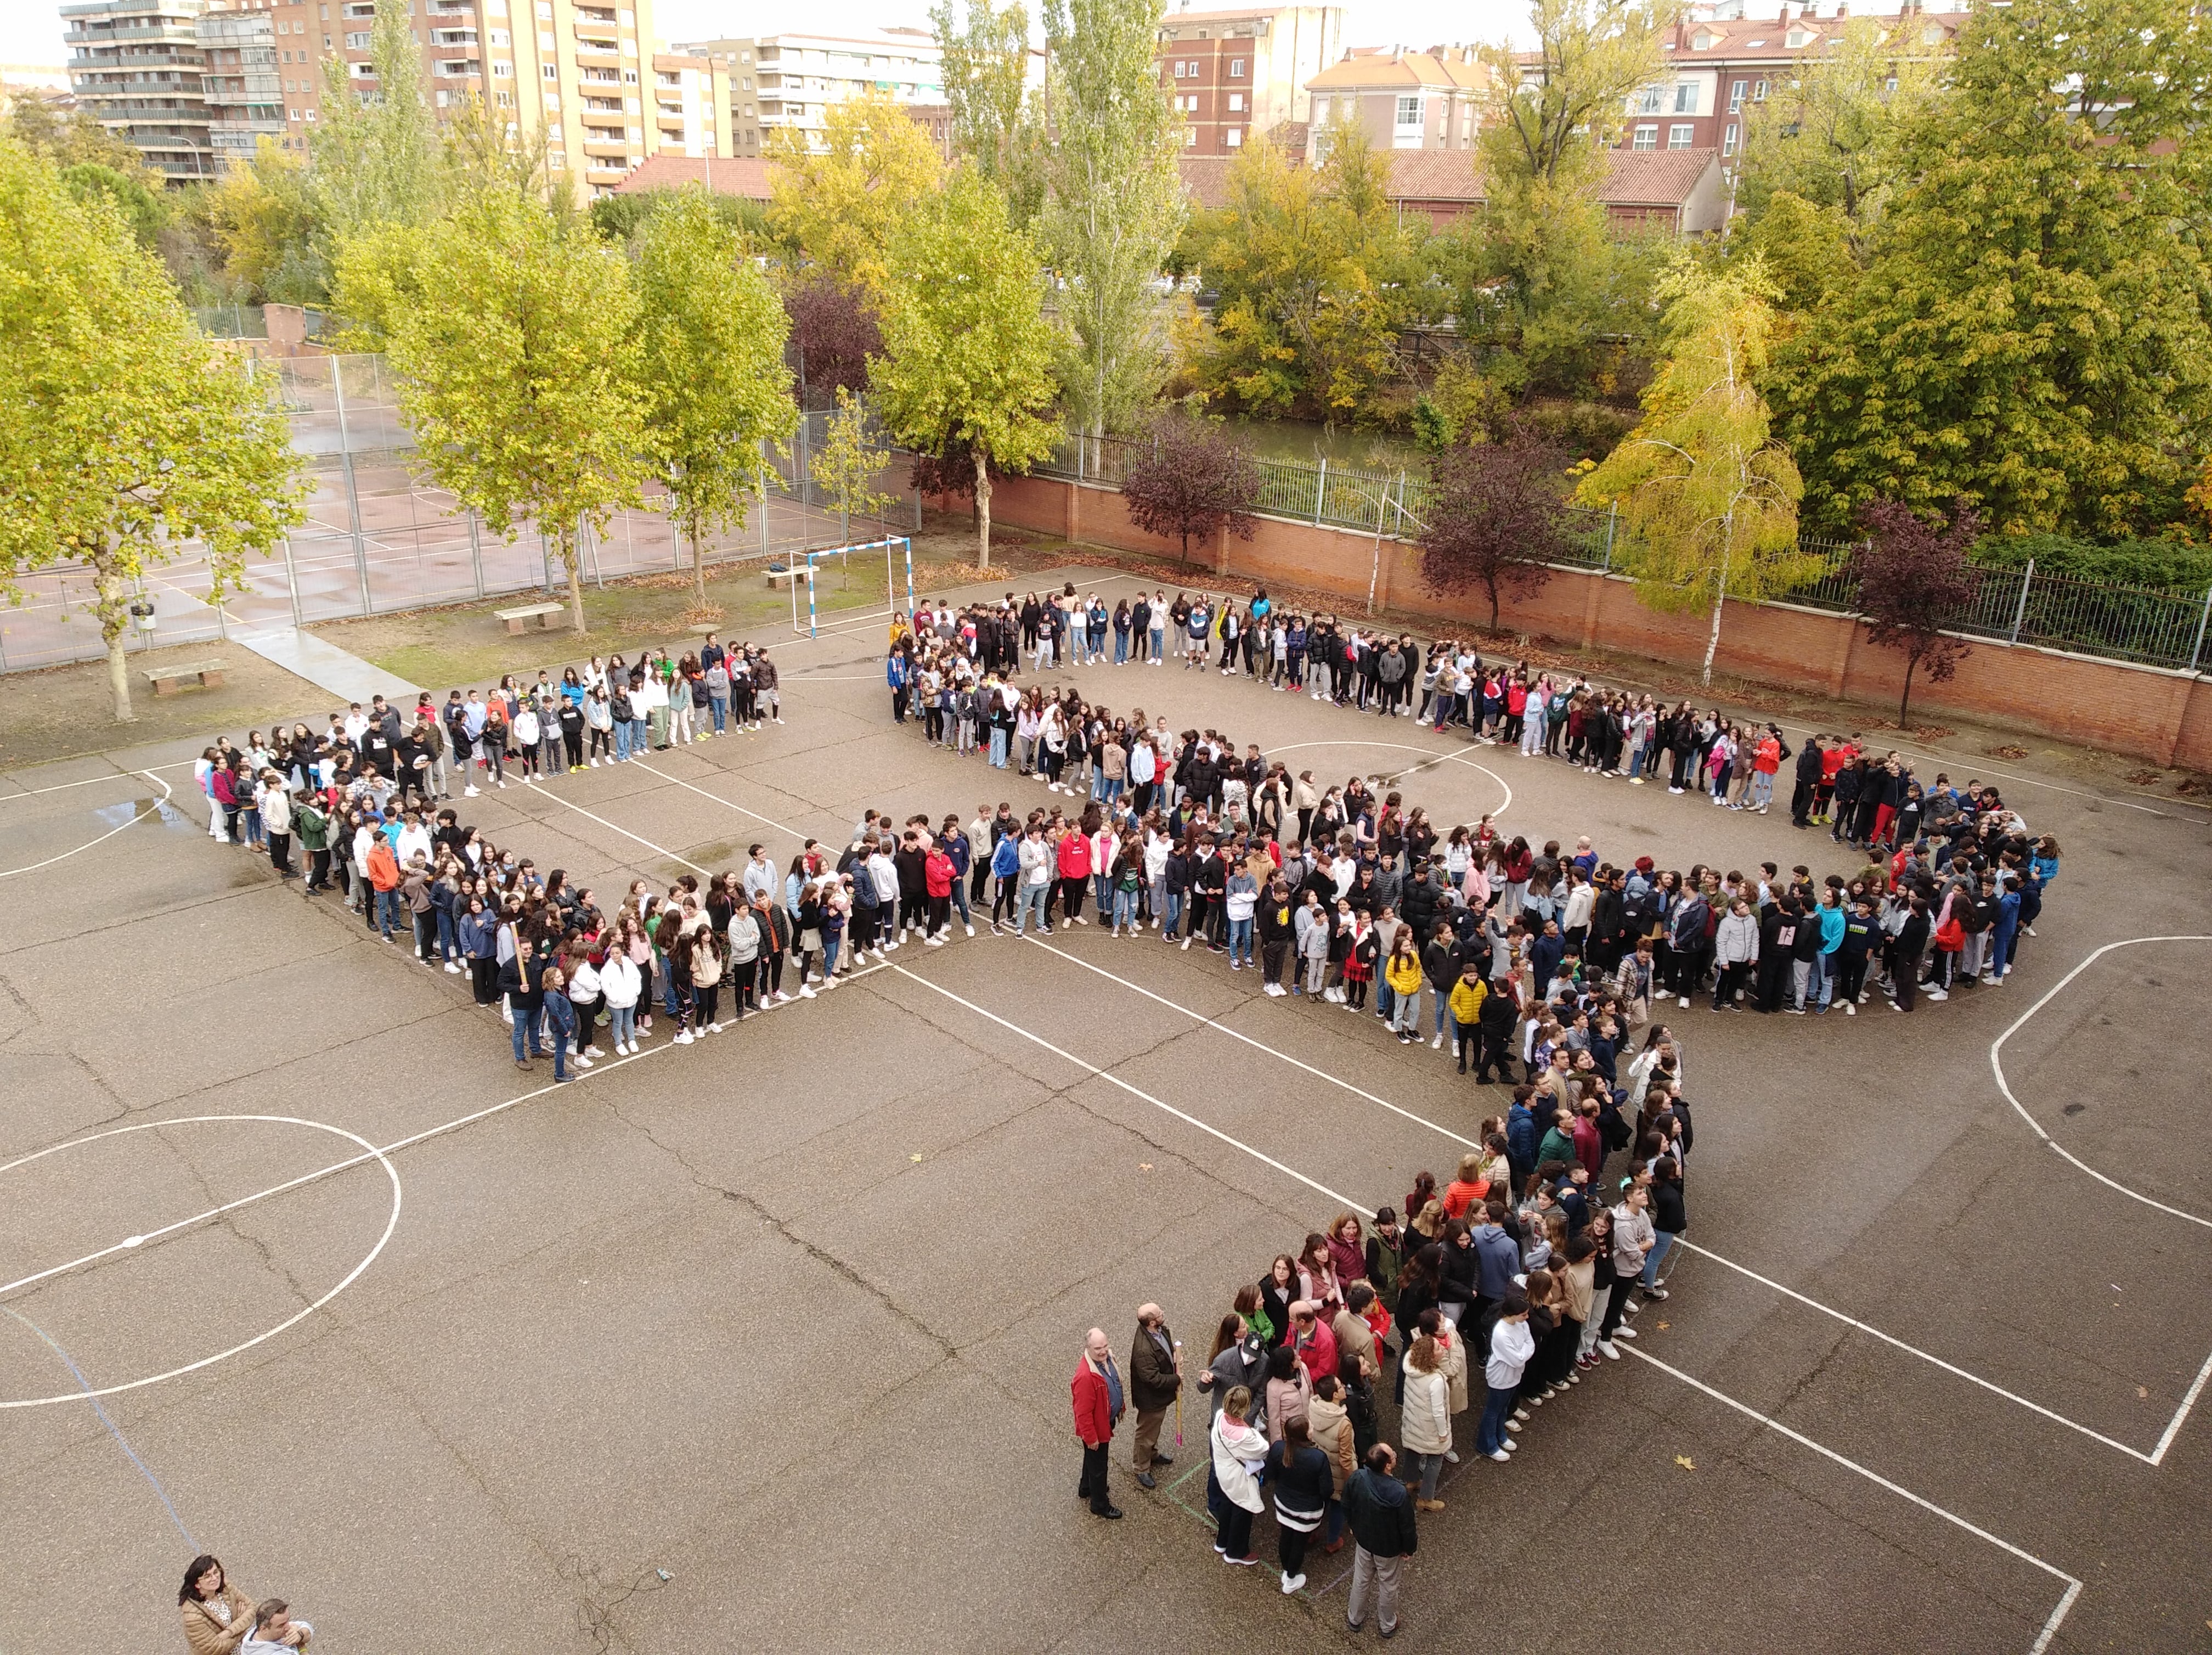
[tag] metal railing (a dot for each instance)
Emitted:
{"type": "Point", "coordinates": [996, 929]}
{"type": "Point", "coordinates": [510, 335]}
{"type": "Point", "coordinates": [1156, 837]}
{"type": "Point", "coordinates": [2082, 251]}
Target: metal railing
{"type": "Point", "coordinates": [2014, 607]}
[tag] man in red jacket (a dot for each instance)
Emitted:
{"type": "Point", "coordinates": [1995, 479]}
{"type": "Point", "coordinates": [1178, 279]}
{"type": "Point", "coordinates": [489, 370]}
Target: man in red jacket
{"type": "Point", "coordinates": [1099, 1402]}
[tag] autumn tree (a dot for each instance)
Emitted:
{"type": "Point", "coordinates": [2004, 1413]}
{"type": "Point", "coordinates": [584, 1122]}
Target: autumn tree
{"type": "Point", "coordinates": [1114, 201]}
{"type": "Point", "coordinates": [1496, 516]}
{"type": "Point", "coordinates": [838, 208]}
{"type": "Point", "coordinates": [834, 331]}
{"type": "Point", "coordinates": [967, 352]}
{"type": "Point", "coordinates": [983, 51]}
{"type": "Point", "coordinates": [847, 463]}
{"type": "Point", "coordinates": [265, 219]}
{"type": "Point", "coordinates": [509, 329]}
{"type": "Point", "coordinates": [1915, 579]}
{"type": "Point", "coordinates": [1708, 500]}
{"type": "Point", "coordinates": [378, 159]}
{"type": "Point", "coordinates": [2030, 329]}
{"type": "Point", "coordinates": [127, 441]}
{"type": "Point", "coordinates": [709, 344]}
{"type": "Point", "coordinates": [1194, 477]}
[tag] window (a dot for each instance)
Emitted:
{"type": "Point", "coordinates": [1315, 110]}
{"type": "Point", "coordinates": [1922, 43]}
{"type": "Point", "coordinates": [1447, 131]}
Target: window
{"type": "Point", "coordinates": [1679, 138]}
{"type": "Point", "coordinates": [1797, 37]}
{"type": "Point", "coordinates": [1235, 102]}
{"type": "Point", "coordinates": [1646, 101]}
{"type": "Point", "coordinates": [545, 42]}
{"type": "Point", "coordinates": [550, 71]}
{"type": "Point", "coordinates": [1236, 69]}
{"type": "Point", "coordinates": [1758, 91]}
{"type": "Point", "coordinates": [1178, 69]}
{"type": "Point", "coordinates": [1190, 137]}
{"type": "Point", "coordinates": [1728, 140]}
{"type": "Point", "coordinates": [1647, 138]}
{"type": "Point", "coordinates": [1234, 138]}
{"type": "Point", "coordinates": [1736, 96]}
{"type": "Point", "coordinates": [501, 71]}
{"type": "Point", "coordinates": [499, 37]}
{"type": "Point", "coordinates": [1409, 111]}
{"type": "Point", "coordinates": [1685, 97]}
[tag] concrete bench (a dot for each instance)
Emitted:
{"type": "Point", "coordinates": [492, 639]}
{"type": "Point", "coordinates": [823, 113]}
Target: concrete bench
{"type": "Point", "coordinates": [780, 576]}
{"type": "Point", "coordinates": [167, 680]}
{"type": "Point", "coordinates": [517, 619]}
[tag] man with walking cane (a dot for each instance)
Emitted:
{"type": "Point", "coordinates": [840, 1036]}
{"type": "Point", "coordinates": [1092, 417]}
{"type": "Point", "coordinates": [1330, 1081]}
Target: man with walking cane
{"type": "Point", "coordinates": [1155, 1381]}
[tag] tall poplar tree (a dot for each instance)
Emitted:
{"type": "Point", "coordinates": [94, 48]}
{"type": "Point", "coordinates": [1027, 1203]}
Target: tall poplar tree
{"type": "Point", "coordinates": [1114, 201]}
{"type": "Point", "coordinates": [377, 156]}
{"type": "Point", "coordinates": [984, 51]}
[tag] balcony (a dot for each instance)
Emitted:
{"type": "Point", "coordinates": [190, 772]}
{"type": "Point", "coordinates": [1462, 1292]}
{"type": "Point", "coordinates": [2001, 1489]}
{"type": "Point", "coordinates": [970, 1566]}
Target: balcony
{"type": "Point", "coordinates": [457, 69]}
{"type": "Point", "coordinates": [452, 37]}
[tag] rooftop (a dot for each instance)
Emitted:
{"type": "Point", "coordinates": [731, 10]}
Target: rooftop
{"type": "Point", "coordinates": [723, 174]}
{"type": "Point", "coordinates": [1384, 68]}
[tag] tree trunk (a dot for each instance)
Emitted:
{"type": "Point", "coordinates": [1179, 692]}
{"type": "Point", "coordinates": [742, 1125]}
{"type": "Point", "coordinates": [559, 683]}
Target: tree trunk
{"type": "Point", "coordinates": [1906, 700]}
{"type": "Point", "coordinates": [573, 565]}
{"type": "Point", "coordinates": [1713, 640]}
{"type": "Point", "coordinates": [982, 511]}
{"type": "Point", "coordinates": [115, 624]}
{"type": "Point", "coordinates": [698, 566]}
{"type": "Point", "coordinates": [1492, 586]}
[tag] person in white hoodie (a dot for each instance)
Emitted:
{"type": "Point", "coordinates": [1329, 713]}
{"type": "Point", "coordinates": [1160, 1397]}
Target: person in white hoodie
{"type": "Point", "coordinates": [1238, 1451]}
{"type": "Point", "coordinates": [1735, 950]}
{"type": "Point", "coordinates": [620, 984]}
{"type": "Point", "coordinates": [1511, 1345]}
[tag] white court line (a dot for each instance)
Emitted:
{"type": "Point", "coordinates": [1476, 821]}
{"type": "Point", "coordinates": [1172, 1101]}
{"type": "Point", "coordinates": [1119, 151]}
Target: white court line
{"type": "Point", "coordinates": [168, 794]}
{"type": "Point", "coordinates": [1435, 758]}
{"type": "Point", "coordinates": [1888, 1339]}
{"type": "Point", "coordinates": [2188, 1401]}
{"type": "Point", "coordinates": [677, 780]}
{"type": "Point", "coordinates": [131, 1243]}
{"type": "Point", "coordinates": [88, 782]}
{"type": "Point", "coordinates": [1114, 1079]}
{"type": "Point", "coordinates": [2073, 1586]}
{"type": "Point", "coordinates": [1996, 1066]}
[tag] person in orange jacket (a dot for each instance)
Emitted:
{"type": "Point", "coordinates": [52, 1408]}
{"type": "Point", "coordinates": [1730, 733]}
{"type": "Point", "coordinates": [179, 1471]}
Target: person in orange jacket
{"type": "Point", "coordinates": [1099, 1399]}
{"type": "Point", "coordinates": [384, 879]}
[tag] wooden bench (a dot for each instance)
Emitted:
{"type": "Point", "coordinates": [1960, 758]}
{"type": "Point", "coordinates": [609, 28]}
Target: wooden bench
{"type": "Point", "coordinates": [517, 619]}
{"type": "Point", "coordinates": [167, 680]}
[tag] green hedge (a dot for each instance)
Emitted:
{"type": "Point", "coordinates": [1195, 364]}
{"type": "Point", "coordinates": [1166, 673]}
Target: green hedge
{"type": "Point", "coordinates": [2158, 565]}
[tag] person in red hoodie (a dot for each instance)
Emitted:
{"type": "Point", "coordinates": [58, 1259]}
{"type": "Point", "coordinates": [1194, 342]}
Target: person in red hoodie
{"type": "Point", "coordinates": [1313, 1340]}
{"type": "Point", "coordinates": [937, 874]}
{"type": "Point", "coordinates": [1075, 871]}
{"type": "Point", "coordinates": [1099, 1398]}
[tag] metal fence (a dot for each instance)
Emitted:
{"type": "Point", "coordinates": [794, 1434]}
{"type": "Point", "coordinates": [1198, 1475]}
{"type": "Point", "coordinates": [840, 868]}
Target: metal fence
{"type": "Point", "coordinates": [379, 537]}
{"type": "Point", "coordinates": [2061, 612]}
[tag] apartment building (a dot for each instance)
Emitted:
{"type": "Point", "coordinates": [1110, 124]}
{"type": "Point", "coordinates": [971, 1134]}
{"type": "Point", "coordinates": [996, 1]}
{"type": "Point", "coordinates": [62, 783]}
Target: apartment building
{"type": "Point", "coordinates": [787, 82]}
{"type": "Point", "coordinates": [239, 82]}
{"type": "Point", "coordinates": [1403, 100]}
{"type": "Point", "coordinates": [1719, 68]}
{"type": "Point", "coordinates": [136, 65]}
{"type": "Point", "coordinates": [1239, 74]}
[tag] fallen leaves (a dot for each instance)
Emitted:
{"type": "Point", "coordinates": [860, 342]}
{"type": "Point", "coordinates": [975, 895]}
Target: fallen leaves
{"type": "Point", "coordinates": [1686, 1462]}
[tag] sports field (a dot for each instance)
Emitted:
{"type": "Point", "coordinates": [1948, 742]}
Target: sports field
{"type": "Point", "coordinates": [459, 1362]}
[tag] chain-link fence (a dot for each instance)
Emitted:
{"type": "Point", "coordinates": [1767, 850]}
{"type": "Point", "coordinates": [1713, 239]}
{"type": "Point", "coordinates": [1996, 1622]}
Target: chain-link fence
{"type": "Point", "coordinates": [379, 537]}
{"type": "Point", "coordinates": [2093, 618]}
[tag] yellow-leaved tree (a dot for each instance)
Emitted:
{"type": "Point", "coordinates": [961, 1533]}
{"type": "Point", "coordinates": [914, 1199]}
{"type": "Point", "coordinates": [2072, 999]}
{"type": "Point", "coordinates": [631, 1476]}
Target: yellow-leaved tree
{"type": "Point", "coordinates": [837, 207]}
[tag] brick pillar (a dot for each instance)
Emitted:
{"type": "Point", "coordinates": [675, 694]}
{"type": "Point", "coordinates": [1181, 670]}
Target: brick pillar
{"type": "Point", "coordinates": [1221, 552]}
{"type": "Point", "coordinates": [1593, 596]}
{"type": "Point", "coordinates": [1074, 509]}
{"type": "Point", "coordinates": [1839, 660]}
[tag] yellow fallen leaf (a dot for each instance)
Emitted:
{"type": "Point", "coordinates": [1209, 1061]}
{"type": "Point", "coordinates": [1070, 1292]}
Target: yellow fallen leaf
{"type": "Point", "coordinates": [2143, 1391]}
{"type": "Point", "coordinates": [1686, 1462]}
{"type": "Point", "coordinates": [1144, 1166]}
{"type": "Point", "coordinates": [1662, 1326]}
{"type": "Point", "coordinates": [914, 1158]}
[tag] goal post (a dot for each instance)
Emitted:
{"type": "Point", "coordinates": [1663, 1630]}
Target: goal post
{"type": "Point", "coordinates": [898, 558]}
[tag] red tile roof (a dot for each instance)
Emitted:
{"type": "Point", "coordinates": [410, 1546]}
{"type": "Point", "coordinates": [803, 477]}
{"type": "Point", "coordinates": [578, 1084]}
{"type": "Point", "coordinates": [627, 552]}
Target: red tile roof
{"type": "Point", "coordinates": [723, 175]}
{"type": "Point", "coordinates": [1653, 178]}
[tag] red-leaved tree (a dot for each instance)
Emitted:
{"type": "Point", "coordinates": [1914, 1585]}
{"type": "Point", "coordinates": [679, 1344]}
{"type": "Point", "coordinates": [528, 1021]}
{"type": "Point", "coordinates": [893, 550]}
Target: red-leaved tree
{"type": "Point", "coordinates": [1497, 516]}
{"type": "Point", "coordinates": [833, 334]}
{"type": "Point", "coordinates": [1193, 479]}
{"type": "Point", "coordinates": [1914, 581]}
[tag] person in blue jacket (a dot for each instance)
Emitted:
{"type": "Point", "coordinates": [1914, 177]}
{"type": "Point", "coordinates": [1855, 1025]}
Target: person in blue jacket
{"type": "Point", "coordinates": [898, 673]}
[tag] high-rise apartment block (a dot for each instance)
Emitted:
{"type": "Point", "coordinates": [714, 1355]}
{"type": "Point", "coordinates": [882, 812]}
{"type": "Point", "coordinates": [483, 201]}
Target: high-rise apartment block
{"type": "Point", "coordinates": [193, 85]}
{"type": "Point", "coordinates": [785, 82]}
{"type": "Point", "coordinates": [1240, 74]}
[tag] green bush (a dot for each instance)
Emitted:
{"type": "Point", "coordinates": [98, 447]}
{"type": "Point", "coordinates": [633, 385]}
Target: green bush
{"type": "Point", "coordinates": [2157, 565]}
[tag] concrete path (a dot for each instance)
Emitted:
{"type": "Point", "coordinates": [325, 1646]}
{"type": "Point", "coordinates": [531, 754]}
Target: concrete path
{"type": "Point", "coordinates": [328, 667]}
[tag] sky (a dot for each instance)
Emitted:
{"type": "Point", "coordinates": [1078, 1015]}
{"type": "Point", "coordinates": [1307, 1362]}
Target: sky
{"type": "Point", "coordinates": [31, 30]}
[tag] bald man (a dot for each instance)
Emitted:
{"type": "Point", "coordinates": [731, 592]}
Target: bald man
{"type": "Point", "coordinates": [1099, 1400]}
{"type": "Point", "coordinates": [1155, 1378]}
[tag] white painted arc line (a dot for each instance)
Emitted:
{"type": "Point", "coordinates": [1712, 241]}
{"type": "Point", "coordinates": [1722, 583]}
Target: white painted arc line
{"type": "Point", "coordinates": [1914, 1350]}
{"type": "Point", "coordinates": [1342, 1201]}
{"type": "Point", "coordinates": [392, 1223]}
{"type": "Point", "coordinates": [2073, 1585]}
{"type": "Point", "coordinates": [1258, 1045]}
{"type": "Point", "coordinates": [167, 795]}
{"type": "Point", "coordinates": [2181, 1414]}
{"type": "Point", "coordinates": [1997, 1068]}
{"type": "Point", "coordinates": [1434, 758]}
{"type": "Point", "coordinates": [725, 804]}
{"type": "Point", "coordinates": [369, 1153]}
{"type": "Point", "coordinates": [640, 838]}
{"type": "Point", "coordinates": [1889, 1339]}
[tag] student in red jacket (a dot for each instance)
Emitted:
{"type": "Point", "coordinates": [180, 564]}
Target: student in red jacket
{"type": "Point", "coordinates": [384, 879]}
{"type": "Point", "coordinates": [1096, 1388]}
{"type": "Point", "coordinates": [937, 874]}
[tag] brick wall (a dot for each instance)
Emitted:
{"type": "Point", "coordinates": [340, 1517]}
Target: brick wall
{"type": "Point", "coordinates": [2142, 712]}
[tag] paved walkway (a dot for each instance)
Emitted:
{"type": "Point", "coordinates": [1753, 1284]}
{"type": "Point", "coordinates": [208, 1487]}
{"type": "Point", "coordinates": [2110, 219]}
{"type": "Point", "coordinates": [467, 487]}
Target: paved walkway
{"type": "Point", "coordinates": [325, 665]}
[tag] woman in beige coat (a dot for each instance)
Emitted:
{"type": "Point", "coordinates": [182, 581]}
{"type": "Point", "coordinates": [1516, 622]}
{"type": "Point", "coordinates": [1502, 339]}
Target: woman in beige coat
{"type": "Point", "coordinates": [217, 1614]}
{"type": "Point", "coordinates": [1425, 1420]}
{"type": "Point", "coordinates": [1329, 1428]}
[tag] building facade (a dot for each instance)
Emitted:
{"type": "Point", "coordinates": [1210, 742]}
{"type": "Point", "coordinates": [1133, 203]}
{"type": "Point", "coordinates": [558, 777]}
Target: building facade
{"type": "Point", "coordinates": [787, 82]}
{"type": "Point", "coordinates": [1403, 100]}
{"type": "Point", "coordinates": [1237, 75]}
{"type": "Point", "coordinates": [239, 82]}
{"type": "Point", "coordinates": [136, 65]}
